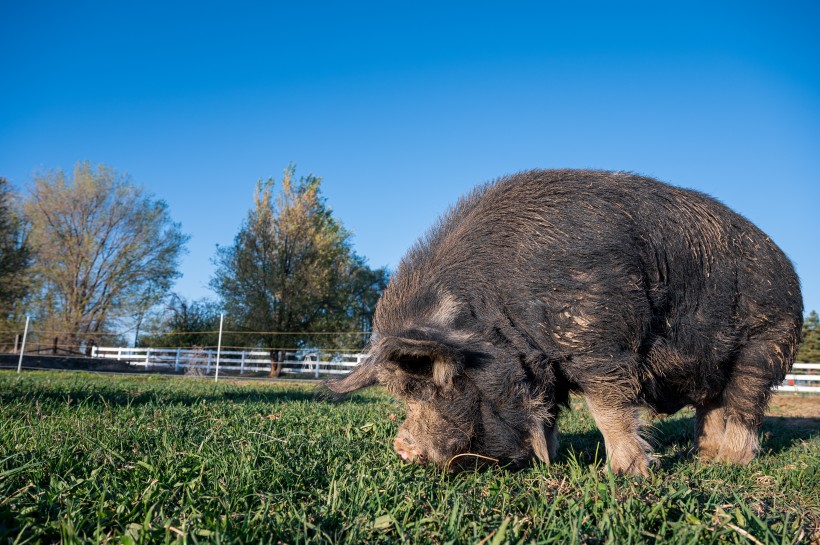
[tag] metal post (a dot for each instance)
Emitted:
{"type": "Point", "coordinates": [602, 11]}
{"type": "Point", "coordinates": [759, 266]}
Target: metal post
{"type": "Point", "coordinates": [219, 345]}
{"type": "Point", "coordinates": [23, 348]}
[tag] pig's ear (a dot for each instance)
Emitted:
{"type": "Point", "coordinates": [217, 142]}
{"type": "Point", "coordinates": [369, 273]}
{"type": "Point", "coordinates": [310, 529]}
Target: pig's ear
{"type": "Point", "coordinates": [362, 376]}
{"type": "Point", "coordinates": [422, 357]}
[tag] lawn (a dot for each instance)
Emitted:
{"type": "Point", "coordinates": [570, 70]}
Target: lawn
{"type": "Point", "coordinates": [90, 458]}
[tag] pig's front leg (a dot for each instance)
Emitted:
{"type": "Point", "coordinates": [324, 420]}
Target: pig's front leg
{"type": "Point", "coordinates": [626, 451]}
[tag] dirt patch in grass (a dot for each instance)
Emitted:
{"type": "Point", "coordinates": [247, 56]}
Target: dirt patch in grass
{"type": "Point", "coordinates": [795, 406]}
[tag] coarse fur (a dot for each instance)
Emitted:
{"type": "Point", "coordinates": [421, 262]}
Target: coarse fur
{"type": "Point", "coordinates": [627, 290]}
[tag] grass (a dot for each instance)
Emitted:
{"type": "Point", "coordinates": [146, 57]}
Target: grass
{"type": "Point", "coordinates": [86, 458]}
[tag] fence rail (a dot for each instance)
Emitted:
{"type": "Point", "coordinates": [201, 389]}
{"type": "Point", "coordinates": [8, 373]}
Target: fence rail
{"type": "Point", "coordinates": [243, 361]}
{"type": "Point", "coordinates": [317, 363]}
{"type": "Point", "coordinates": [808, 382]}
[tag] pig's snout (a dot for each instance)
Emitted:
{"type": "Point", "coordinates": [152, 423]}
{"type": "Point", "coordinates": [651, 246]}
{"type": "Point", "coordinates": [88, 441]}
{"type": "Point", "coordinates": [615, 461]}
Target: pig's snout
{"type": "Point", "coordinates": [407, 448]}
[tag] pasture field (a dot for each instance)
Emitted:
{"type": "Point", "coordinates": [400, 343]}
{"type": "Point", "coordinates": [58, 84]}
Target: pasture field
{"type": "Point", "coordinates": [148, 459]}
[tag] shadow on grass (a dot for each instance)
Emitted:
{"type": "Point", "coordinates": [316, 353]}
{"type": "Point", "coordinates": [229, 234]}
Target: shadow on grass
{"type": "Point", "coordinates": [673, 439]}
{"type": "Point", "coordinates": [782, 432]}
{"type": "Point", "coordinates": [96, 395]}
{"type": "Point", "coordinates": [585, 447]}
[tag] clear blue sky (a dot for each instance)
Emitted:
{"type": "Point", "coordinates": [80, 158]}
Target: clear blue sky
{"type": "Point", "coordinates": [402, 107]}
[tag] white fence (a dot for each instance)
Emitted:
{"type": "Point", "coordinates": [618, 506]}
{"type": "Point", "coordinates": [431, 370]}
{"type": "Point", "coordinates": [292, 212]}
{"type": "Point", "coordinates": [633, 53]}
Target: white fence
{"type": "Point", "coordinates": [244, 361]}
{"type": "Point", "coordinates": [259, 361]}
{"type": "Point", "coordinates": [802, 382]}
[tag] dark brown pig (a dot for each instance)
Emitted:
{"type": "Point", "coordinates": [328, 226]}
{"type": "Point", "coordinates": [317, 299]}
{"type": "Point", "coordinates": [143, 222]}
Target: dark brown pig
{"type": "Point", "coordinates": [626, 290]}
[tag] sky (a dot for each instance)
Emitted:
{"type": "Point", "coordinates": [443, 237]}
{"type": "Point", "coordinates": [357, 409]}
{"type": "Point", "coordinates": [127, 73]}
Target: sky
{"type": "Point", "coordinates": [403, 107]}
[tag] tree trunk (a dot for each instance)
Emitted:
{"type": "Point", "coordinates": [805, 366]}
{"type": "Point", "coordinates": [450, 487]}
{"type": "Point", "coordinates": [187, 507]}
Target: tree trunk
{"type": "Point", "coordinates": [276, 358]}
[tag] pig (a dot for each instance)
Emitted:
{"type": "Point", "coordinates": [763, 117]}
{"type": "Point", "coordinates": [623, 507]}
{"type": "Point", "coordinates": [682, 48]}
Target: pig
{"type": "Point", "coordinates": [630, 292]}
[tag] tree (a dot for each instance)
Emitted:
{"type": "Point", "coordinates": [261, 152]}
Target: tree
{"type": "Point", "coordinates": [15, 259]}
{"type": "Point", "coordinates": [809, 351]}
{"type": "Point", "coordinates": [185, 324]}
{"type": "Point", "coordinates": [292, 270]}
{"type": "Point", "coordinates": [102, 246]}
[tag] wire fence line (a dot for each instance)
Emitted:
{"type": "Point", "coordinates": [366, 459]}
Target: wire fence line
{"type": "Point", "coordinates": [804, 378]}
{"type": "Point", "coordinates": [52, 341]}
{"type": "Point", "coordinates": [9, 338]}
{"type": "Point", "coordinates": [273, 361]}
{"type": "Point", "coordinates": [312, 356]}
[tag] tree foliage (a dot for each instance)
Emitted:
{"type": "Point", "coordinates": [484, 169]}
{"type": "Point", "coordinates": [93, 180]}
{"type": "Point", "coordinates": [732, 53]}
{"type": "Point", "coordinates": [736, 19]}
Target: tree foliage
{"type": "Point", "coordinates": [809, 351]}
{"type": "Point", "coordinates": [184, 324]}
{"type": "Point", "coordinates": [15, 258]}
{"type": "Point", "coordinates": [103, 247]}
{"type": "Point", "coordinates": [291, 270]}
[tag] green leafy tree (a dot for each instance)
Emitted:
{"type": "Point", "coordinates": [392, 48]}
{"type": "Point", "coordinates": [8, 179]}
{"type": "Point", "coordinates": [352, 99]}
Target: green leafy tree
{"type": "Point", "coordinates": [15, 259]}
{"type": "Point", "coordinates": [184, 324]}
{"type": "Point", "coordinates": [809, 351]}
{"type": "Point", "coordinates": [104, 250]}
{"type": "Point", "coordinates": [292, 270]}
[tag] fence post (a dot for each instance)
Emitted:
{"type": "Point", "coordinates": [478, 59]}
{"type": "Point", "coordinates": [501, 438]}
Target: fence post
{"type": "Point", "coordinates": [119, 353]}
{"type": "Point", "coordinates": [176, 362]}
{"type": "Point", "coordinates": [16, 342]}
{"type": "Point", "coordinates": [242, 364]}
{"type": "Point", "coordinates": [208, 364]}
{"type": "Point", "coordinates": [147, 357]}
{"type": "Point", "coordinates": [219, 346]}
{"type": "Point", "coordinates": [23, 348]}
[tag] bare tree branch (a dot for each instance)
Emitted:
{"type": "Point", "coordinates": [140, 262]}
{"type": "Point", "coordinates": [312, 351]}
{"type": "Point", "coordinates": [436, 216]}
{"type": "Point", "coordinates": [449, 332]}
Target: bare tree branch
{"type": "Point", "coordinates": [102, 245]}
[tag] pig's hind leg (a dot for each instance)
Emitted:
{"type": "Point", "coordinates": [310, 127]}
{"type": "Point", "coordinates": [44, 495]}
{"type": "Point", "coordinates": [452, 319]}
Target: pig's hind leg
{"type": "Point", "coordinates": [710, 427]}
{"type": "Point", "coordinates": [727, 429]}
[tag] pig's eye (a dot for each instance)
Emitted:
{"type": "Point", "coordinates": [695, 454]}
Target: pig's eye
{"type": "Point", "coordinates": [416, 365]}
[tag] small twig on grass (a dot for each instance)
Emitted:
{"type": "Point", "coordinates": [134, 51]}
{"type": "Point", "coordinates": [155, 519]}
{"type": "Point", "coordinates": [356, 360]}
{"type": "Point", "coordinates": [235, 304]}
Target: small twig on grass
{"type": "Point", "coordinates": [450, 461]}
{"type": "Point", "coordinates": [744, 533]}
{"type": "Point", "coordinates": [487, 538]}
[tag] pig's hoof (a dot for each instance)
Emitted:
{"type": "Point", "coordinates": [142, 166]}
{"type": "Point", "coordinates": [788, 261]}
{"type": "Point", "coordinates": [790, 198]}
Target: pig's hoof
{"type": "Point", "coordinates": [635, 466]}
{"type": "Point", "coordinates": [736, 457]}
{"type": "Point", "coordinates": [739, 445]}
{"type": "Point", "coordinates": [726, 455]}
{"type": "Point", "coordinates": [708, 453]}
